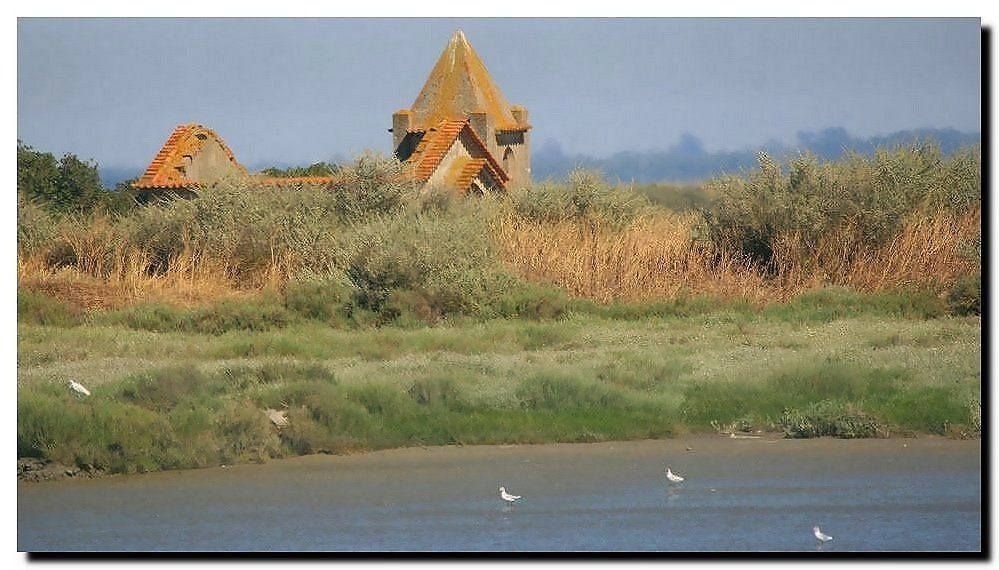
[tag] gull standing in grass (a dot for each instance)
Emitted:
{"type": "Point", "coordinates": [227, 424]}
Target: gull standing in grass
{"type": "Point", "coordinates": [673, 477]}
{"type": "Point", "coordinates": [820, 536]}
{"type": "Point", "coordinates": [78, 388]}
{"type": "Point", "coordinates": [510, 499]}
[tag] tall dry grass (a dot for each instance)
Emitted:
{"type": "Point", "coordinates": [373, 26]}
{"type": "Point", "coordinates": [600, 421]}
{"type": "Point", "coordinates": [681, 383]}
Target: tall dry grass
{"type": "Point", "coordinates": [652, 257]}
{"type": "Point", "coordinates": [901, 219]}
{"type": "Point", "coordinates": [660, 257]}
{"type": "Point", "coordinates": [112, 274]}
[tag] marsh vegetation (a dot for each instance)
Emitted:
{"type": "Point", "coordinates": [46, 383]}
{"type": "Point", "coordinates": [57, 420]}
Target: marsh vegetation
{"type": "Point", "coordinates": [813, 298]}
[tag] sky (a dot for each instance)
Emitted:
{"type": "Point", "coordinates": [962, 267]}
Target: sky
{"type": "Point", "coordinates": [284, 91]}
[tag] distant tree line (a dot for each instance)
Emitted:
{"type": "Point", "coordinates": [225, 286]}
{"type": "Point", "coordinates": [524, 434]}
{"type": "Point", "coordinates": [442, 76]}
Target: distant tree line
{"type": "Point", "coordinates": [316, 169]}
{"type": "Point", "coordinates": [687, 161]}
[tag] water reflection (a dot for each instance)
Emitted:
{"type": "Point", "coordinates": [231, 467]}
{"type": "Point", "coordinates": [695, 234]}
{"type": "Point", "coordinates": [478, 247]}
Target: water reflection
{"type": "Point", "coordinates": [672, 494]}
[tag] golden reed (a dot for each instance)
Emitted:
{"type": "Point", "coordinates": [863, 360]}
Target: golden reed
{"type": "Point", "coordinates": [655, 257]}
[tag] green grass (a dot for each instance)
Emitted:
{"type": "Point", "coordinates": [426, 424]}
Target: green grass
{"type": "Point", "coordinates": [164, 400]}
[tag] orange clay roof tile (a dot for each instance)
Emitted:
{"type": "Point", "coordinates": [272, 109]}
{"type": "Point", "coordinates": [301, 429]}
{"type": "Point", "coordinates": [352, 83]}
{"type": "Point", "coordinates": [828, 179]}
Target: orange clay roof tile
{"type": "Point", "coordinates": [185, 140]}
{"type": "Point", "coordinates": [458, 85]}
{"type": "Point", "coordinates": [436, 142]}
{"type": "Point", "coordinates": [468, 172]}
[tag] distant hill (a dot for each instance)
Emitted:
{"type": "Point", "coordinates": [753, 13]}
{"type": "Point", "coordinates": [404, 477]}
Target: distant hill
{"type": "Point", "coordinates": [687, 161]}
{"type": "Point", "coordinates": [683, 162]}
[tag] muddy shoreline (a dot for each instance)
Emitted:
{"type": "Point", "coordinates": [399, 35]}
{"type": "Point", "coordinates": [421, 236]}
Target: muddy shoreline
{"type": "Point", "coordinates": [31, 470]}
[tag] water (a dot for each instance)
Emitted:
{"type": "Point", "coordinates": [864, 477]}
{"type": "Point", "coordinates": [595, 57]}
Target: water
{"type": "Point", "coordinates": [740, 495]}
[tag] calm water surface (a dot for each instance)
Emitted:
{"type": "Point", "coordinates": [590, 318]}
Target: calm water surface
{"type": "Point", "coordinates": [740, 495]}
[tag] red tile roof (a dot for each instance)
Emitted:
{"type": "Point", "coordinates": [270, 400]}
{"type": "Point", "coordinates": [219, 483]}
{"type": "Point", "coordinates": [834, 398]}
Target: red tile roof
{"type": "Point", "coordinates": [436, 143]}
{"type": "Point", "coordinates": [433, 146]}
{"type": "Point", "coordinates": [185, 140]}
{"type": "Point", "coordinates": [466, 171]}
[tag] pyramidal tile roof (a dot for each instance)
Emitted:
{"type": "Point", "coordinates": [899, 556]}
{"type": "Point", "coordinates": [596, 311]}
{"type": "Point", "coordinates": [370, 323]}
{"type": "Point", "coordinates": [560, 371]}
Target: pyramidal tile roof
{"type": "Point", "coordinates": [458, 85]}
{"type": "Point", "coordinates": [185, 140]}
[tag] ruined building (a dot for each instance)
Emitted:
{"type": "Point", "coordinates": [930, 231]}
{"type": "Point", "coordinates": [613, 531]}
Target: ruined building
{"type": "Point", "coordinates": [460, 134]}
{"type": "Point", "coordinates": [193, 156]}
{"type": "Point", "coordinates": [460, 131]}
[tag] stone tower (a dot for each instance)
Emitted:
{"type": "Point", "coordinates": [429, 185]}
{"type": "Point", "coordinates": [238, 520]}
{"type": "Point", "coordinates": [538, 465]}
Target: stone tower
{"type": "Point", "coordinates": [460, 89]}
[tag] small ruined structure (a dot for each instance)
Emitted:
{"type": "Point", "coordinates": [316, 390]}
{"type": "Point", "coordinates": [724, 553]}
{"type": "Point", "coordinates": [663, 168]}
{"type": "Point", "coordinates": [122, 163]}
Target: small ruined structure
{"type": "Point", "coordinates": [460, 132]}
{"type": "Point", "coordinates": [194, 156]}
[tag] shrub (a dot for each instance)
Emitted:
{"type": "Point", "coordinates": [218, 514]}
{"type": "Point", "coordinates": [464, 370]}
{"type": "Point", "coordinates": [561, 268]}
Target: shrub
{"type": "Point", "coordinates": [42, 309]}
{"type": "Point", "coordinates": [928, 409]}
{"type": "Point", "coordinates": [245, 433]}
{"type": "Point", "coordinates": [260, 314]}
{"type": "Point", "coordinates": [426, 266]}
{"type": "Point", "coordinates": [965, 297]}
{"type": "Point", "coordinates": [100, 434]}
{"type": "Point", "coordinates": [317, 299]}
{"type": "Point", "coordinates": [373, 186]}
{"type": "Point", "coordinates": [155, 317]}
{"type": "Point", "coordinates": [587, 197]}
{"type": "Point", "coordinates": [164, 388]}
{"type": "Point", "coordinates": [537, 302]}
{"type": "Point", "coordinates": [831, 303]}
{"type": "Point", "coordinates": [438, 390]}
{"type": "Point", "coordinates": [830, 418]}
{"type": "Point", "coordinates": [870, 197]}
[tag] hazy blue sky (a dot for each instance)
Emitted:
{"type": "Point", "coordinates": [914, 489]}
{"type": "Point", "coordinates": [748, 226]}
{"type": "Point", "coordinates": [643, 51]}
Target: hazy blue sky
{"type": "Point", "coordinates": [301, 90]}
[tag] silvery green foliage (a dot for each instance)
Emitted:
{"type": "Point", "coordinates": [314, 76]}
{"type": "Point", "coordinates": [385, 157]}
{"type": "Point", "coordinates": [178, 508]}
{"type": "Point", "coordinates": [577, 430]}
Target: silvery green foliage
{"type": "Point", "coordinates": [808, 197]}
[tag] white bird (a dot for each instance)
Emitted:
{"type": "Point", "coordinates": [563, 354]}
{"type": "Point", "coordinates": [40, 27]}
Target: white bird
{"type": "Point", "coordinates": [673, 477]}
{"type": "Point", "coordinates": [78, 388]}
{"type": "Point", "coordinates": [507, 496]}
{"type": "Point", "coordinates": [820, 536]}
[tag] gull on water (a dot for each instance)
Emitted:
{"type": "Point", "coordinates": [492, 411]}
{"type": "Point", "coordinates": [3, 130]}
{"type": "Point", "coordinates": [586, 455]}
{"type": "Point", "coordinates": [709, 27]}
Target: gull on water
{"type": "Point", "coordinates": [507, 496]}
{"type": "Point", "coordinates": [673, 477]}
{"type": "Point", "coordinates": [78, 388]}
{"type": "Point", "coordinates": [820, 536]}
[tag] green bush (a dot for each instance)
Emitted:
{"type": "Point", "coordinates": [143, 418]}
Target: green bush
{"type": "Point", "coordinates": [261, 314]}
{"type": "Point", "coordinates": [831, 303]}
{"type": "Point", "coordinates": [155, 317]}
{"type": "Point", "coordinates": [426, 267]}
{"type": "Point", "coordinates": [96, 433]}
{"type": "Point", "coordinates": [37, 308]}
{"type": "Point", "coordinates": [810, 198]}
{"type": "Point", "coordinates": [529, 301]}
{"type": "Point", "coordinates": [371, 187]}
{"type": "Point", "coordinates": [587, 197]}
{"type": "Point", "coordinates": [438, 390]}
{"type": "Point", "coordinates": [245, 434]}
{"type": "Point", "coordinates": [318, 299]}
{"type": "Point", "coordinates": [830, 418]}
{"type": "Point", "coordinates": [162, 389]}
{"type": "Point", "coordinates": [965, 297]}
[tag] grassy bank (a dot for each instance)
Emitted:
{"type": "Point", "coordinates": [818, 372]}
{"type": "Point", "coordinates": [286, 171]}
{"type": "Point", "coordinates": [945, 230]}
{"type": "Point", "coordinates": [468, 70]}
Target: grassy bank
{"type": "Point", "coordinates": [811, 298]}
{"type": "Point", "coordinates": [165, 400]}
